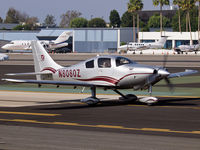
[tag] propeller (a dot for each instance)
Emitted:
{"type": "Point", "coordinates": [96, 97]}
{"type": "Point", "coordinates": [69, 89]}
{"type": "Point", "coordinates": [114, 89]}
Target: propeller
{"type": "Point", "coordinates": [161, 73]}
{"type": "Point", "coordinates": [168, 82]}
{"type": "Point", "coordinates": [165, 61]}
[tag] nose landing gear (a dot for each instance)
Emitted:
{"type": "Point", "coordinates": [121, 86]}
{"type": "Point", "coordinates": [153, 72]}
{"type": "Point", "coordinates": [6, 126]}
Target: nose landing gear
{"type": "Point", "coordinates": [147, 100]}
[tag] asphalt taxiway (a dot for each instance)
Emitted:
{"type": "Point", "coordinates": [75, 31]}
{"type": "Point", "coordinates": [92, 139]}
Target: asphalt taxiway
{"type": "Point", "coordinates": [48, 120]}
{"type": "Point", "coordinates": [73, 58]}
{"type": "Point", "coordinates": [60, 123]}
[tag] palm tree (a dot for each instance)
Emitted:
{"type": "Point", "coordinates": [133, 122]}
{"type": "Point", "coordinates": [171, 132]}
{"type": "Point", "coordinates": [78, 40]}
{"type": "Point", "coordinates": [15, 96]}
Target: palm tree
{"type": "Point", "coordinates": [134, 6]}
{"type": "Point", "coordinates": [187, 5]}
{"type": "Point", "coordinates": [178, 3]}
{"type": "Point", "coordinates": [161, 3]}
{"type": "Point", "coordinates": [198, 22]}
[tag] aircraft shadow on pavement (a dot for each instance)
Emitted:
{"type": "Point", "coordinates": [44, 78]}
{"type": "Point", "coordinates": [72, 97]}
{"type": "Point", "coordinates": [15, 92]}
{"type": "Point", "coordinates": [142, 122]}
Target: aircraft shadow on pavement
{"type": "Point", "coordinates": [112, 103]}
{"type": "Point", "coordinates": [178, 102]}
{"type": "Point", "coordinates": [60, 101]}
{"type": "Point", "coordinates": [107, 103]}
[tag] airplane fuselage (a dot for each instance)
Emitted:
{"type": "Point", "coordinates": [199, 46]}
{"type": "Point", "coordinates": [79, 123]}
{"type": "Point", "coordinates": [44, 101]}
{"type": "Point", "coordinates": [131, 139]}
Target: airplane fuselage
{"type": "Point", "coordinates": [139, 46]}
{"type": "Point", "coordinates": [187, 48]}
{"type": "Point", "coordinates": [26, 45]}
{"type": "Point", "coordinates": [132, 46]}
{"type": "Point", "coordinates": [127, 75]}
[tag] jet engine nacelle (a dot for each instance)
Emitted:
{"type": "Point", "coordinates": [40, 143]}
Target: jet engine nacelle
{"type": "Point", "coordinates": [148, 100]}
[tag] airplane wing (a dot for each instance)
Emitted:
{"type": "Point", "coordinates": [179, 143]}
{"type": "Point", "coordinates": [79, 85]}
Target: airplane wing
{"type": "Point", "coordinates": [180, 74]}
{"type": "Point", "coordinates": [71, 83]}
{"type": "Point", "coordinates": [29, 73]}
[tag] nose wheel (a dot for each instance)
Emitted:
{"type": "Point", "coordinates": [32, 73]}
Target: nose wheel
{"type": "Point", "coordinates": [147, 100]}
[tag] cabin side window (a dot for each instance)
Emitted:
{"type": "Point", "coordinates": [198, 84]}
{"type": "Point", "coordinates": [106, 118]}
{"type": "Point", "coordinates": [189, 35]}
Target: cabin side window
{"type": "Point", "coordinates": [89, 64]}
{"type": "Point", "coordinates": [104, 62]}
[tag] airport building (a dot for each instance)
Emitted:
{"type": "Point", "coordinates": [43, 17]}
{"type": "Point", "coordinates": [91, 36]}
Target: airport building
{"type": "Point", "coordinates": [91, 39]}
{"type": "Point", "coordinates": [83, 39]}
{"type": "Point", "coordinates": [98, 40]}
{"type": "Point", "coordinates": [174, 38]}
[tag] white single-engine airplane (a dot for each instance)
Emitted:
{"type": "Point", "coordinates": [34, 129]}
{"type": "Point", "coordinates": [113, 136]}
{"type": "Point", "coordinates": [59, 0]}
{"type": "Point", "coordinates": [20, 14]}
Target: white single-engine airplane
{"type": "Point", "coordinates": [107, 72]}
{"type": "Point", "coordinates": [61, 41]}
{"type": "Point", "coordinates": [143, 46]}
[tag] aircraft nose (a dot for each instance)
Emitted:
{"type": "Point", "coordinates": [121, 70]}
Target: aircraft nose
{"type": "Point", "coordinates": [163, 72]}
{"type": "Point", "coordinates": [4, 47]}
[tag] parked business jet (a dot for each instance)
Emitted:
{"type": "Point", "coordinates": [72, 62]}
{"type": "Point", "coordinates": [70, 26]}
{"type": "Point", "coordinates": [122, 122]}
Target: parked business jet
{"type": "Point", "coordinates": [3, 57]}
{"type": "Point", "coordinates": [49, 45]}
{"type": "Point", "coordinates": [187, 48]}
{"type": "Point", "coordinates": [142, 46]}
{"type": "Point", "coordinates": [107, 72]}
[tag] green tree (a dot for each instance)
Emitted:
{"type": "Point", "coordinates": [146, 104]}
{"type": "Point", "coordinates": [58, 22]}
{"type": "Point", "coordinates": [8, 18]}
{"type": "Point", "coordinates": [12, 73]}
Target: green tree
{"type": "Point", "coordinates": [1, 20]}
{"type": "Point", "coordinates": [144, 26]}
{"type": "Point", "coordinates": [178, 3]}
{"type": "Point", "coordinates": [22, 27]}
{"type": "Point", "coordinates": [79, 23]}
{"type": "Point", "coordinates": [97, 22]}
{"type": "Point", "coordinates": [187, 5]}
{"type": "Point", "coordinates": [15, 16]}
{"type": "Point", "coordinates": [67, 17]}
{"type": "Point", "coordinates": [114, 19]}
{"type": "Point", "coordinates": [12, 16]}
{"type": "Point", "coordinates": [49, 21]}
{"type": "Point", "coordinates": [127, 20]}
{"type": "Point", "coordinates": [198, 20]}
{"type": "Point", "coordinates": [154, 21]}
{"type": "Point", "coordinates": [133, 7]}
{"type": "Point", "coordinates": [161, 3]}
{"type": "Point", "coordinates": [193, 18]}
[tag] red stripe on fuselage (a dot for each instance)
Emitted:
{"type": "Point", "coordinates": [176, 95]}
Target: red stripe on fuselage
{"type": "Point", "coordinates": [49, 69]}
{"type": "Point", "coordinates": [109, 79]}
{"type": "Point", "coordinates": [101, 78]}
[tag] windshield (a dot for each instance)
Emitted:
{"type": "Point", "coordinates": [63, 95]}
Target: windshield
{"type": "Point", "coordinates": [122, 61]}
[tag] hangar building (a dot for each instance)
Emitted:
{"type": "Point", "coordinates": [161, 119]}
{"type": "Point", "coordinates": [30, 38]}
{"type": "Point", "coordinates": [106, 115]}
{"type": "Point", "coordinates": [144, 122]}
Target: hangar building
{"type": "Point", "coordinates": [83, 39]}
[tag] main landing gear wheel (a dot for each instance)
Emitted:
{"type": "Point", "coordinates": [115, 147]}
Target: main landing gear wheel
{"type": "Point", "coordinates": [91, 101]}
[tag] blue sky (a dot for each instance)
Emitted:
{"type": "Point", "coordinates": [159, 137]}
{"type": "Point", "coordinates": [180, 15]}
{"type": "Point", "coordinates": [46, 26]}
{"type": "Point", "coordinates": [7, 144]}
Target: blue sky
{"type": "Point", "coordinates": [88, 8]}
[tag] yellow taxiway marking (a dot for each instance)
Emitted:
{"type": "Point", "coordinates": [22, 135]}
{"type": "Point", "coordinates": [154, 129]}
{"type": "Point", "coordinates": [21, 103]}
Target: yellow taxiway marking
{"type": "Point", "coordinates": [27, 113]}
{"type": "Point", "coordinates": [102, 126]}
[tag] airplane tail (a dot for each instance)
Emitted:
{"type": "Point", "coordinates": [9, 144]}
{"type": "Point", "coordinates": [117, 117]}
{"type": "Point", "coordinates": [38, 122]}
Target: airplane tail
{"type": "Point", "coordinates": [162, 40]}
{"type": "Point", "coordinates": [42, 61]}
{"type": "Point", "coordinates": [63, 37]}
